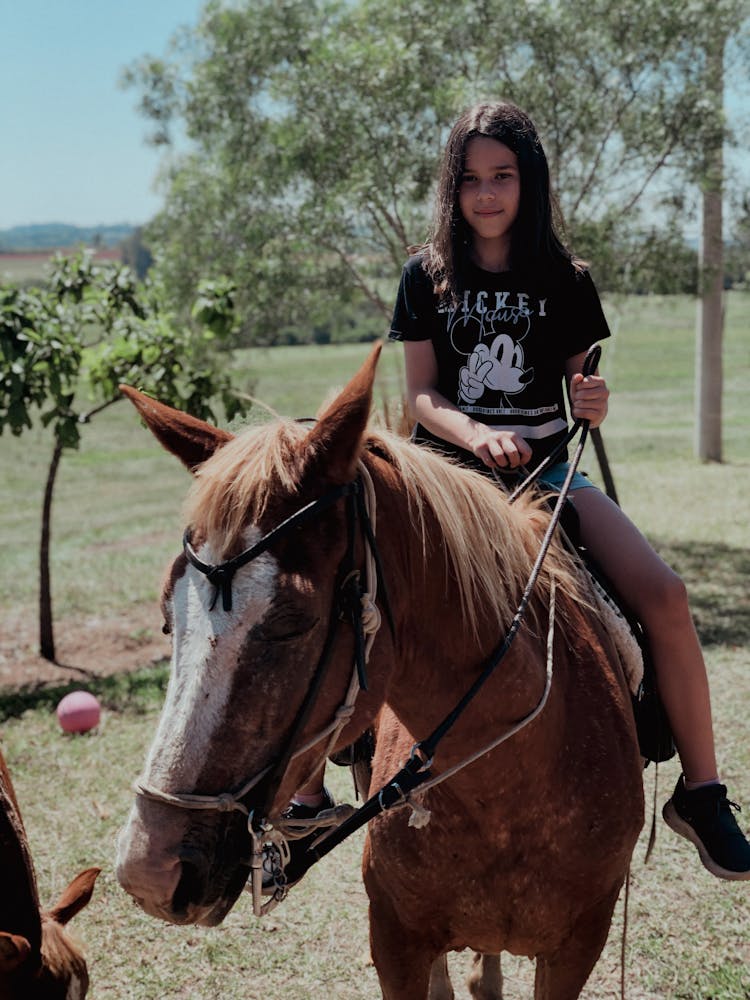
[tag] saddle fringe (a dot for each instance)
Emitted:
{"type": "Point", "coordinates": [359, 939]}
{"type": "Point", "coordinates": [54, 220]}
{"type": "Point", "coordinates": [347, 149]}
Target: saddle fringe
{"type": "Point", "coordinates": [616, 625]}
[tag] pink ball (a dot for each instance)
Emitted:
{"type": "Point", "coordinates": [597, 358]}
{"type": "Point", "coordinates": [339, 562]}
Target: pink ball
{"type": "Point", "coordinates": [78, 712]}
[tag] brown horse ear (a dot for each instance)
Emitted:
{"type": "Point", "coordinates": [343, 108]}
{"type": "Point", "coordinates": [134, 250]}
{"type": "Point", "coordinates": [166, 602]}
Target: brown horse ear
{"type": "Point", "coordinates": [190, 439]}
{"type": "Point", "coordinates": [75, 897]}
{"type": "Point", "coordinates": [335, 442]}
{"type": "Point", "coordinates": [14, 950]}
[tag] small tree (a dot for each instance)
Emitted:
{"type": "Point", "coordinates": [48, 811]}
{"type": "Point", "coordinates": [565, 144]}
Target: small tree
{"type": "Point", "coordinates": [93, 321]}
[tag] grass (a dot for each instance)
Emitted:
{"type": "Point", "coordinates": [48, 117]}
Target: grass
{"type": "Point", "coordinates": [116, 524]}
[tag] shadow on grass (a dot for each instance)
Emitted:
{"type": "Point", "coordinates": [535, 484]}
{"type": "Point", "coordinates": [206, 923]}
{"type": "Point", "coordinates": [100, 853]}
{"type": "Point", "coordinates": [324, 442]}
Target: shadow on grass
{"type": "Point", "coordinates": [135, 692]}
{"type": "Point", "coordinates": [718, 581]}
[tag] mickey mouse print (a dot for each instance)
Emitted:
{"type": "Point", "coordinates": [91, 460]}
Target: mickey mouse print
{"type": "Point", "coordinates": [490, 333]}
{"type": "Point", "coordinates": [503, 379]}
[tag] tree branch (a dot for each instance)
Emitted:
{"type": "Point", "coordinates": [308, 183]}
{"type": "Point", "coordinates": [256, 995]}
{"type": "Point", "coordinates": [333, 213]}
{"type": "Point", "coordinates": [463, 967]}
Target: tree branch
{"type": "Point", "coordinates": [360, 281]}
{"type": "Point", "coordinates": [85, 418]}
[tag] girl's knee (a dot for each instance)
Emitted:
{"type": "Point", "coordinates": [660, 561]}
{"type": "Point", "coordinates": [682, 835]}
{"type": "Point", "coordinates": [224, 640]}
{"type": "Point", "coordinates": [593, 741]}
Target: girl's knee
{"type": "Point", "coordinates": [662, 596]}
{"type": "Point", "coordinates": [673, 591]}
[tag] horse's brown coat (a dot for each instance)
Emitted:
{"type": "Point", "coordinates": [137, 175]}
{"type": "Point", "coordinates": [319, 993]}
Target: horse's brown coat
{"type": "Point", "coordinates": [38, 959]}
{"type": "Point", "coordinates": [526, 849]}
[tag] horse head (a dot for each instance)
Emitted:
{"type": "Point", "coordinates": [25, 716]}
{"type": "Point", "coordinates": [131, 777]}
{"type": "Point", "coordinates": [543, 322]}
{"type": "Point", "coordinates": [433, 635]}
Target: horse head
{"type": "Point", "coordinates": [249, 608]}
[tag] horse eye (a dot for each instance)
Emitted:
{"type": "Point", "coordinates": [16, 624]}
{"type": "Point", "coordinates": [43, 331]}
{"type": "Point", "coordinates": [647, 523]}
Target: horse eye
{"type": "Point", "coordinates": [283, 627]}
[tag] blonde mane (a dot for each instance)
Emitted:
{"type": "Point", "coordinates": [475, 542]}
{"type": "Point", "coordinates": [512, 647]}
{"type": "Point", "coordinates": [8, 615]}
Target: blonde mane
{"type": "Point", "coordinates": [234, 487]}
{"type": "Point", "coordinates": [488, 545]}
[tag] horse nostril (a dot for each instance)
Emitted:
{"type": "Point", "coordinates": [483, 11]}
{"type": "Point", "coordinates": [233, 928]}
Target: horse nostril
{"type": "Point", "coordinates": [192, 885]}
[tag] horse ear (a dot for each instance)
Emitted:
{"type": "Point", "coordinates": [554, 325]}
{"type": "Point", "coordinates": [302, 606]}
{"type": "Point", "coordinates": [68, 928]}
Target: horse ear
{"type": "Point", "coordinates": [14, 950]}
{"type": "Point", "coordinates": [336, 439]}
{"type": "Point", "coordinates": [190, 439]}
{"type": "Point", "coordinates": [75, 897]}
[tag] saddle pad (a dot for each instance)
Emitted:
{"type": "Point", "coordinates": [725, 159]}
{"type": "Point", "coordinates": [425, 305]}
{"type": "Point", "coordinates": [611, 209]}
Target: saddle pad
{"type": "Point", "coordinates": [613, 620]}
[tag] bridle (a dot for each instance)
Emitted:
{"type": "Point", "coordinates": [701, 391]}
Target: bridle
{"type": "Point", "coordinates": [222, 574]}
{"type": "Point", "coordinates": [349, 598]}
{"type": "Point", "coordinates": [354, 601]}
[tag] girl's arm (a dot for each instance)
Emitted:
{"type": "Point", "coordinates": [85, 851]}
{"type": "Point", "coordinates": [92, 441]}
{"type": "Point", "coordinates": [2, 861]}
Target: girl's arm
{"type": "Point", "coordinates": [588, 396]}
{"type": "Point", "coordinates": [444, 419]}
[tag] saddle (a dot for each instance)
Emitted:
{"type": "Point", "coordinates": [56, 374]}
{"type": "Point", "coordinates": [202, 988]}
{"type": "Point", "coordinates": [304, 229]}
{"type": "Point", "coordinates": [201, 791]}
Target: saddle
{"type": "Point", "coordinates": [655, 738]}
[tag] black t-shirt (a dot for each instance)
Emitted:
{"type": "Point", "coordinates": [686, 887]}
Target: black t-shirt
{"type": "Point", "coordinates": [501, 351]}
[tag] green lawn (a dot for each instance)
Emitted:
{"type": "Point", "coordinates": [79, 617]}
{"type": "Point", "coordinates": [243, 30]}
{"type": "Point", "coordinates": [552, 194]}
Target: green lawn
{"type": "Point", "coordinates": [116, 524]}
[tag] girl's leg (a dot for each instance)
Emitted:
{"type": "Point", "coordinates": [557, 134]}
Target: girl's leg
{"type": "Point", "coordinates": [658, 598]}
{"type": "Point", "coordinates": [703, 815]}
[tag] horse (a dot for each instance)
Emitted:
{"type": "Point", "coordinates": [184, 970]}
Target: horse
{"type": "Point", "coordinates": [38, 958]}
{"type": "Point", "coordinates": [523, 850]}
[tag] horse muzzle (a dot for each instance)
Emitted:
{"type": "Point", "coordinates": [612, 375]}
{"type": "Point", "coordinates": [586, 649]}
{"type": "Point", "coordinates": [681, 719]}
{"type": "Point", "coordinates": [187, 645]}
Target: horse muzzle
{"type": "Point", "coordinates": [193, 876]}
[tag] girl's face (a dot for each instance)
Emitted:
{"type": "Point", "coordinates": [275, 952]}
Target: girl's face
{"type": "Point", "coordinates": [489, 192]}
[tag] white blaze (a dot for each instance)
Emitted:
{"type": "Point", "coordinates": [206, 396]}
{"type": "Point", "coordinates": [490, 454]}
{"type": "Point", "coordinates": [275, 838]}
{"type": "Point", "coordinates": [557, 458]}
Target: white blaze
{"type": "Point", "coordinates": [205, 648]}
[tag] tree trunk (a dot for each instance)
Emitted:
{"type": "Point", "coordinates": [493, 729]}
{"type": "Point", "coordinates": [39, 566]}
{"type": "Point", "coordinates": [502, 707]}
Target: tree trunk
{"type": "Point", "coordinates": [710, 321]}
{"type": "Point", "coordinates": [46, 634]}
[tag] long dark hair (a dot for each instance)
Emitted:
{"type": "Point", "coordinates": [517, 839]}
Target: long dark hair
{"type": "Point", "coordinates": [534, 240]}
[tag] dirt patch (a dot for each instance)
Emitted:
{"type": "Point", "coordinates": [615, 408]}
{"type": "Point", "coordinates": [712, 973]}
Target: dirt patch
{"type": "Point", "coordinates": [94, 646]}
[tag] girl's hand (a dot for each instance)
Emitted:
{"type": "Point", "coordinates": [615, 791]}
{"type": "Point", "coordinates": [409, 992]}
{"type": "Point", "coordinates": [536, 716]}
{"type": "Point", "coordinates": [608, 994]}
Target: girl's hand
{"type": "Point", "coordinates": [503, 449]}
{"type": "Point", "coordinates": [589, 398]}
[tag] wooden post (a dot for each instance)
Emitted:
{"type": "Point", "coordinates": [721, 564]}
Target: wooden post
{"type": "Point", "coordinates": [710, 319]}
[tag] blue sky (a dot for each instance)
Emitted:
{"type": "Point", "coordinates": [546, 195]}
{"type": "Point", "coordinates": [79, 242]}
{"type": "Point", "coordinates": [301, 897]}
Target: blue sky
{"type": "Point", "coordinates": [73, 145]}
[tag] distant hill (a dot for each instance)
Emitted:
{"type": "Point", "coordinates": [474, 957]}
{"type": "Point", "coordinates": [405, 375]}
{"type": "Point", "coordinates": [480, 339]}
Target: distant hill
{"type": "Point", "coordinates": [51, 235]}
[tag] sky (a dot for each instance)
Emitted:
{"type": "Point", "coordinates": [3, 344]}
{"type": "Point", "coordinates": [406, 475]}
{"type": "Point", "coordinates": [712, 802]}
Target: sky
{"type": "Point", "coordinates": [72, 143]}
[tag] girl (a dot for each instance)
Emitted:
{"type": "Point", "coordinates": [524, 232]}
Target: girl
{"type": "Point", "coordinates": [496, 315]}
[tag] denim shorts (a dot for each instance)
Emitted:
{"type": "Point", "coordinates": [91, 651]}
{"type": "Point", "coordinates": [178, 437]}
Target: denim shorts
{"type": "Point", "coordinates": [554, 477]}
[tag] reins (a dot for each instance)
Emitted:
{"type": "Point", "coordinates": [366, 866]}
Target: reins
{"type": "Point", "coordinates": [415, 773]}
{"type": "Point", "coordinates": [590, 364]}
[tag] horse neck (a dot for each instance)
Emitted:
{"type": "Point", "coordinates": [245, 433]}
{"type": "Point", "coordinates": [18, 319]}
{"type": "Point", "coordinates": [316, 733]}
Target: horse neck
{"type": "Point", "coordinates": [437, 653]}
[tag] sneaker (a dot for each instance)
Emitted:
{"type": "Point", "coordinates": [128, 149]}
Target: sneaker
{"type": "Point", "coordinates": [706, 817]}
{"type": "Point", "coordinates": [274, 874]}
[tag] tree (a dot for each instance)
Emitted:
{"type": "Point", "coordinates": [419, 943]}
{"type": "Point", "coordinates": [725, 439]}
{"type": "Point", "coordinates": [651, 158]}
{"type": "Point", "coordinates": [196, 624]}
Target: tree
{"type": "Point", "coordinates": [125, 338]}
{"type": "Point", "coordinates": [313, 155]}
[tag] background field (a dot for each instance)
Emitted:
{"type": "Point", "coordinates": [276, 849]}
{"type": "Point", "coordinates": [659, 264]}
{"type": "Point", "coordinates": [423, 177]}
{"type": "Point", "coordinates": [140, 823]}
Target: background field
{"type": "Point", "coordinates": [33, 267]}
{"type": "Point", "coordinates": [117, 523]}
{"type": "Point", "coordinates": [23, 269]}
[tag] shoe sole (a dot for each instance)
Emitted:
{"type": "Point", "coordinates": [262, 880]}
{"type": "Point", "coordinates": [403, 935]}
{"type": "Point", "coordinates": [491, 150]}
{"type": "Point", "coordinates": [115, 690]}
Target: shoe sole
{"type": "Point", "coordinates": [673, 819]}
